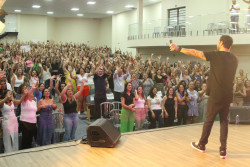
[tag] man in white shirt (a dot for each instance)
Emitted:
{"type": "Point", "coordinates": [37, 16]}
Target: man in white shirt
{"type": "Point", "coordinates": [119, 83]}
{"type": "Point", "coordinates": [234, 12]}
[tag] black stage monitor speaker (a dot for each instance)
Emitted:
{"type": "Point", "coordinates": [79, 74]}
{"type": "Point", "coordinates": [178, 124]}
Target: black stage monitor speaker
{"type": "Point", "coordinates": [102, 133]}
{"type": "Point", "coordinates": [243, 113]}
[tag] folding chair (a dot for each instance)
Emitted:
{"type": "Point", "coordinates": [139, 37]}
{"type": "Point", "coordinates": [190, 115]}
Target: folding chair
{"type": "Point", "coordinates": [106, 107]}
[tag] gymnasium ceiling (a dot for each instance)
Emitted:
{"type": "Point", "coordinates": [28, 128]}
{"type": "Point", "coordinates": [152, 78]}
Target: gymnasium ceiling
{"type": "Point", "coordinates": [62, 8]}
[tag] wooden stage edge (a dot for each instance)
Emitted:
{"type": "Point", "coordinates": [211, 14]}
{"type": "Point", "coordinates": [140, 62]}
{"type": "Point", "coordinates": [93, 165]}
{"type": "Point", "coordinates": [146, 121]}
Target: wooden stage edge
{"type": "Point", "coordinates": [168, 147]}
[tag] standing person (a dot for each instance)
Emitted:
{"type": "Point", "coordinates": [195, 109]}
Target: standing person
{"type": "Point", "coordinates": [182, 99]}
{"type": "Point", "coordinates": [141, 108]}
{"type": "Point", "coordinates": [239, 92]}
{"type": "Point", "coordinates": [68, 77]}
{"type": "Point", "coordinates": [101, 86]}
{"type": "Point", "coordinates": [223, 65]}
{"type": "Point", "coordinates": [202, 103]}
{"type": "Point", "coordinates": [247, 97]}
{"type": "Point", "coordinates": [70, 119]}
{"type": "Point", "coordinates": [58, 88]}
{"type": "Point", "coordinates": [242, 75]}
{"type": "Point", "coordinates": [169, 107]}
{"type": "Point", "coordinates": [147, 84]}
{"type": "Point", "coordinates": [46, 121]}
{"type": "Point", "coordinates": [158, 78]}
{"type": "Point", "coordinates": [46, 75]}
{"type": "Point", "coordinates": [28, 119]}
{"type": "Point", "coordinates": [28, 64]}
{"type": "Point", "coordinates": [17, 80]}
{"type": "Point", "coordinates": [135, 82]}
{"type": "Point", "coordinates": [85, 93]}
{"type": "Point", "coordinates": [192, 104]}
{"type": "Point", "coordinates": [155, 109]}
{"type": "Point", "coordinates": [234, 12]}
{"type": "Point", "coordinates": [128, 111]}
{"type": "Point", "coordinates": [9, 124]}
{"type": "Point", "coordinates": [33, 77]}
{"type": "Point", "coordinates": [119, 79]}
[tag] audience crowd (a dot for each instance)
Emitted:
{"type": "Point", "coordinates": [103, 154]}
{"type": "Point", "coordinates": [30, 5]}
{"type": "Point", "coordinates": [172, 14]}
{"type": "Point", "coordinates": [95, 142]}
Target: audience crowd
{"type": "Point", "coordinates": [46, 78]}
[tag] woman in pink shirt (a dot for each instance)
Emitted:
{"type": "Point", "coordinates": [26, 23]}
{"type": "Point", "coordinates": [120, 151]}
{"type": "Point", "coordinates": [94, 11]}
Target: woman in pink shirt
{"type": "Point", "coordinates": [141, 108]}
{"type": "Point", "coordinates": [28, 118]}
{"type": "Point", "coordinates": [28, 64]}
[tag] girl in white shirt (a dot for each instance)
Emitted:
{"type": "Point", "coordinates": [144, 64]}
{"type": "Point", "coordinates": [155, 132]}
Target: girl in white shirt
{"type": "Point", "coordinates": [79, 77]}
{"type": "Point", "coordinates": [155, 107]}
{"type": "Point", "coordinates": [17, 80]}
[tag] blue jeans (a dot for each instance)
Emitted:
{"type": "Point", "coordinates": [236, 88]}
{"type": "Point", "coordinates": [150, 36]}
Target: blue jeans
{"type": "Point", "coordinates": [70, 122]}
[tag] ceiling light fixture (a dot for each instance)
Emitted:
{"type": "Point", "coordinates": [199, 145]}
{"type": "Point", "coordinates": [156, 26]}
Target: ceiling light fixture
{"type": "Point", "coordinates": [129, 6]}
{"type": "Point", "coordinates": [36, 6]}
{"type": "Point", "coordinates": [74, 9]}
{"type": "Point", "coordinates": [50, 12]}
{"type": "Point", "coordinates": [17, 10]}
{"type": "Point", "coordinates": [79, 14]}
{"type": "Point", "coordinates": [91, 3]}
{"type": "Point", "coordinates": [110, 12]}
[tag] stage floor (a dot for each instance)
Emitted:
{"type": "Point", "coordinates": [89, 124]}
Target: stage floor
{"type": "Point", "coordinates": [168, 147]}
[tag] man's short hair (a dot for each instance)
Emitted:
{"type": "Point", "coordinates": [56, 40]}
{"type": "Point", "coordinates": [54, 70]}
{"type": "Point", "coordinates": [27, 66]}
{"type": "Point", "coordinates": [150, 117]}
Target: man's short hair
{"type": "Point", "coordinates": [227, 41]}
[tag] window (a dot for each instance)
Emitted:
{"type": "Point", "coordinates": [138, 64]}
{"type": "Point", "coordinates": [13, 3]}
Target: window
{"type": "Point", "coordinates": [176, 16]}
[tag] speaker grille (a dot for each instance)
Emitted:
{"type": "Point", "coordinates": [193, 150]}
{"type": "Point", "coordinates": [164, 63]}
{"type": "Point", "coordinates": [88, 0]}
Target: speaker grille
{"type": "Point", "coordinates": [102, 133]}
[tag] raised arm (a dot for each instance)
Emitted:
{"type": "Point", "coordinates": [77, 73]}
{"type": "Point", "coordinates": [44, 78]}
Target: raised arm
{"type": "Point", "coordinates": [30, 91]}
{"type": "Point", "coordinates": [51, 82]}
{"type": "Point", "coordinates": [116, 72]}
{"type": "Point", "coordinates": [97, 69]}
{"type": "Point", "coordinates": [92, 69]}
{"type": "Point", "coordinates": [136, 95]}
{"type": "Point", "coordinates": [71, 73]}
{"type": "Point", "coordinates": [57, 85]}
{"type": "Point", "coordinates": [17, 102]}
{"type": "Point", "coordinates": [41, 71]}
{"type": "Point", "coordinates": [63, 93]}
{"type": "Point", "coordinates": [13, 83]}
{"type": "Point", "coordinates": [5, 99]}
{"type": "Point", "coordinates": [77, 95]}
{"type": "Point", "coordinates": [190, 52]}
{"type": "Point", "coordinates": [106, 70]}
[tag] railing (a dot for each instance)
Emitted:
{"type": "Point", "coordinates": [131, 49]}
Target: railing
{"type": "Point", "coordinates": [200, 25]}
